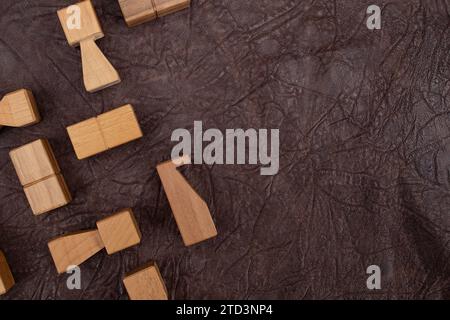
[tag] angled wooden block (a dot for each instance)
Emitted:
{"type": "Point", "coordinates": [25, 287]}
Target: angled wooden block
{"type": "Point", "coordinates": [107, 131]}
{"type": "Point", "coordinates": [190, 211]}
{"type": "Point", "coordinates": [6, 277]}
{"type": "Point", "coordinates": [74, 249]}
{"type": "Point", "coordinates": [82, 27]}
{"type": "Point", "coordinates": [39, 174]}
{"type": "Point", "coordinates": [136, 12]}
{"type": "Point", "coordinates": [119, 231]}
{"type": "Point", "coordinates": [18, 109]}
{"type": "Point", "coordinates": [146, 283]}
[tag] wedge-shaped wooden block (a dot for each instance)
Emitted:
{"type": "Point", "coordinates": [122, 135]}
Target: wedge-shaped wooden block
{"type": "Point", "coordinates": [40, 176]}
{"type": "Point", "coordinates": [146, 283]}
{"type": "Point", "coordinates": [18, 109]}
{"type": "Point", "coordinates": [136, 12]}
{"type": "Point", "coordinates": [107, 131]}
{"type": "Point", "coordinates": [116, 233]}
{"type": "Point", "coordinates": [81, 27]}
{"type": "Point", "coordinates": [6, 277]}
{"type": "Point", "coordinates": [190, 211]}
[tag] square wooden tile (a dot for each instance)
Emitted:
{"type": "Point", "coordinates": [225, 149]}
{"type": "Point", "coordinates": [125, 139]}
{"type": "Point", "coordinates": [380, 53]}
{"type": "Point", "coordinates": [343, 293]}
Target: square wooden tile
{"type": "Point", "coordinates": [146, 283]}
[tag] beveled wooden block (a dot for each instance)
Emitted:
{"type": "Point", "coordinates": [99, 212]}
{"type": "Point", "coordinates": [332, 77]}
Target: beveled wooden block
{"type": "Point", "coordinates": [87, 138]}
{"type": "Point", "coordinates": [48, 194]}
{"type": "Point", "coordinates": [119, 231]}
{"type": "Point", "coordinates": [146, 283]}
{"type": "Point", "coordinates": [6, 277]}
{"type": "Point", "coordinates": [34, 161]}
{"type": "Point", "coordinates": [90, 26]}
{"type": "Point", "coordinates": [18, 109]}
{"type": "Point", "coordinates": [165, 7]}
{"type": "Point", "coordinates": [136, 12]}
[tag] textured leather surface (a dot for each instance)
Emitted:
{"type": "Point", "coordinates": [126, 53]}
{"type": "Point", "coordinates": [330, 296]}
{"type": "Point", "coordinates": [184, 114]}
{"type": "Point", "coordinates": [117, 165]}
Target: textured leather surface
{"type": "Point", "coordinates": [365, 147]}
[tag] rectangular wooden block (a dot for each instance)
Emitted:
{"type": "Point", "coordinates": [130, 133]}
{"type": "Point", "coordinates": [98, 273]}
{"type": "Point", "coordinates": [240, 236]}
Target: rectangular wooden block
{"type": "Point", "coordinates": [89, 28]}
{"type": "Point", "coordinates": [108, 130]}
{"type": "Point", "coordinates": [146, 283]}
{"type": "Point", "coordinates": [6, 277]}
{"type": "Point", "coordinates": [165, 7]}
{"type": "Point", "coordinates": [137, 11]}
{"type": "Point", "coordinates": [48, 194]}
{"type": "Point", "coordinates": [34, 161]}
{"type": "Point", "coordinates": [119, 231]}
{"type": "Point", "coordinates": [18, 109]}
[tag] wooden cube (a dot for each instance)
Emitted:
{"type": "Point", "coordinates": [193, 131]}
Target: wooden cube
{"type": "Point", "coordinates": [18, 109]}
{"type": "Point", "coordinates": [34, 161]}
{"type": "Point", "coordinates": [6, 277]}
{"type": "Point", "coordinates": [136, 12]}
{"type": "Point", "coordinates": [146, 283]}
{"type": "Point", "coordinates": [119, 231]}
{"type": "Point", "coordinates": [108, 130]}
{"type": "Point", "coordinates": [90, 26]}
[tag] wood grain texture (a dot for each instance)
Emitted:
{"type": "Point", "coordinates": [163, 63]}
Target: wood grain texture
{"type": "Point", "coordinates": [119, 231]}
{"type": "Point", "coordinates": [108, 130]}
{"type": "Point", "coordinates": [74, 249]}
{"type": "Point", "coordinates": [190, 211]}
{"type": "Point", "coordinates": [136, 12]}
{"type": "Point", "coordinates": [165, 7]}
{"type": "Point", "coordinates": [6, 277]}
{"type": "Point", "coordinates": [18, 109]}
{"type": "Point", "coordinates": [146, 283]}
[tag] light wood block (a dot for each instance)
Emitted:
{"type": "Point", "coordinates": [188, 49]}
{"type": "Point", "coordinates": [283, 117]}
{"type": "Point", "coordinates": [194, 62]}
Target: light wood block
{"type": "Point", "coordinates": [146, 283]}
{"type": "Point", "coordinates": [136, 12]}
{"type": "Point", "coordinates": [190, 211]}
{"type": "Point", "coordinates": [98, 72]}
{"type": "Point", "coordinates": [74, 249]}
{"type": "Point", "coordinates": [18, 109]}
{"type": "Point", "coordinates": [119, 231]}
{"type": "Point", "coordinates": [6, 277]}
{"type": "Point", "coordinates": [107, 131]}
{"type": "Point", "coordinates": [39, 174]}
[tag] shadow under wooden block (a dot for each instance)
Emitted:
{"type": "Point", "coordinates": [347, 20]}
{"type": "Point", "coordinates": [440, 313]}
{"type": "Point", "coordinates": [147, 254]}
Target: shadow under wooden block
{"type": "Point", "coordinates": [40, 176]}
{"type": "Point", "coordinates": [107, 131]}
{"type": "Point", "coordinates": [18, 109]}
{"type": "Point", "coordinates": [146, 283]}
{"type": "Point", "coordinates": [189, 209]}
{"type": "Point", "coordinates": [98, 72]}
{"type": "Point", "coordinates": [6, 277]}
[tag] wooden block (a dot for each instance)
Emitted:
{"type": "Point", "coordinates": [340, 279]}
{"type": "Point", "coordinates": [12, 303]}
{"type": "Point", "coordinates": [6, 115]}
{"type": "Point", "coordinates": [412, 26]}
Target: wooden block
{"type": "Point", "coordinates": [136, 12]}
{"type": "Point", "coordinates": [34, 161]}
{"type": "Point", "coordinates": [107, 131]}
{"type": "Point", "coordinates": [119, 231]}
{"type": "Point", "coordinates": [90, 26]}
{"type": "Point", "coordinates": [18, 109]}
{"type": "Point", "coordinates": [98, 72]}
{"type": "Point", "coordinates": [146, 283]}
{"type": "Point", "coordinates": [190, 211]}
{"type": "Point", "coordinates": [39, 174]}
{"type": "Point", "coordinates": [74, 249]}
{"type": "Point", "coordinates": [48, 194]}
{"type": "Point", "coordinates": [6, 277]}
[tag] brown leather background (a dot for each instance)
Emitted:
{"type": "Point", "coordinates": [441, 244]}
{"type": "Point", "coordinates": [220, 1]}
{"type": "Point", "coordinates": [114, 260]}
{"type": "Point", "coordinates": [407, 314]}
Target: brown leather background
{"type": "Point", "coordinates": [365, 148]}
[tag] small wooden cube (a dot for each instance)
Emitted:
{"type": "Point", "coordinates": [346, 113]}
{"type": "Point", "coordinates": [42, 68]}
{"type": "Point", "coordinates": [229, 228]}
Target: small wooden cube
{"type": "Point", "coordinates": [119, 231]}
{"type": "Point", "coordinates": [6, 277]}
{"type": "Point", "coordinates": [48, 194]}
{"type": "Point", "coordinates": [165, 7]}
{"type": "Point", "coordinates": [34, 161]}
{"type": "Point", "coordinates": [136, 12]}
{"type": "Point", "coordinates": [146, 283]}
{"type": "Point", "coordinates": [90, 26]}
{"type": "Point", "coordinates": [108, 130]}
{"type": "Point", "coordinates": [18, 109]}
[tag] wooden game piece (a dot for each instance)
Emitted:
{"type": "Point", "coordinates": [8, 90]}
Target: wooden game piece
{"type": "Point", "coordinates": [190, 211]}
{"type": "Point", "coordinates": [18, 109]}
{"type": "Point", "coordinates": [98, 73]}
{"type": "Point", "coordinates": [6, 277]}
{"type": "Point", "coordinates": [40, 176]}
{"type": "Point", "coordinates": [115, 233]}
{"type": "Point", "coordinates": [146, 283]}
{"type": "Point", "coordinates": [107, 131]}
{"type": "Point", "coordinates": [136, 12]}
